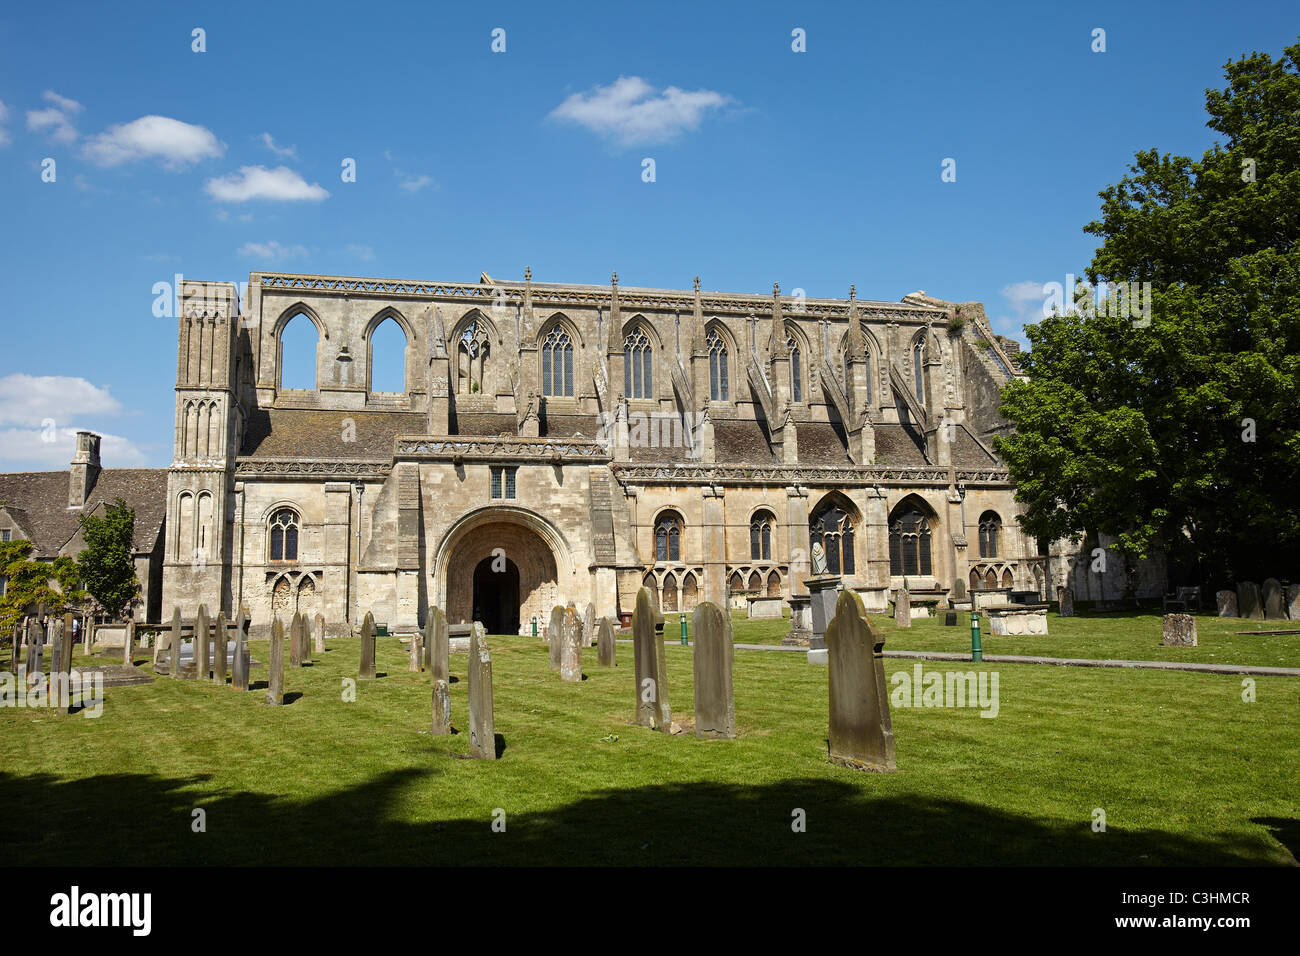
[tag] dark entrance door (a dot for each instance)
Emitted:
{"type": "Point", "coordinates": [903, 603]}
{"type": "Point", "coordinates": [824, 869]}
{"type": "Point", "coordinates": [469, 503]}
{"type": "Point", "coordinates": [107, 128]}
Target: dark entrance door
{"type": "Point", "coordinates": [496, 595]}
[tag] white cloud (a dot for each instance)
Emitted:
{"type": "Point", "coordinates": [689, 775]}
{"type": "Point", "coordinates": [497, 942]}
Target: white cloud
{"type": "Point", "coordinates": [271, 251]}
{"type": "Point", "coordinates": [62, 102]}
{"type": "Point", "coordinates": [53, 449]}
{"type": "Point", "coordinates": [153, 137]}
{"type": "Point", "coordinates": [31, 399]}
{"type": "Point", "coordinates": [288, 151]}
{"type": "Point", "coordinates": [364, 253]}
{"type": "Point", "coordinates": [413, 184]}
{"type": "Point", "coordinates": [4, 115]}
{"type": "Point", "coordinates": [630, 111]}
{"type": "Point", "coordinates": [52, 122]}
{"type": "Point", "coordinates": [1024, 300]}
{"type": "Point", "coordinates": [258, 182]}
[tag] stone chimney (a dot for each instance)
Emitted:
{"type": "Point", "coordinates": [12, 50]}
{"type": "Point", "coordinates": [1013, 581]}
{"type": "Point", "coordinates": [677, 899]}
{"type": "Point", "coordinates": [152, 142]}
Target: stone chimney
{"type": "Point", "coordinates": [85, 469]}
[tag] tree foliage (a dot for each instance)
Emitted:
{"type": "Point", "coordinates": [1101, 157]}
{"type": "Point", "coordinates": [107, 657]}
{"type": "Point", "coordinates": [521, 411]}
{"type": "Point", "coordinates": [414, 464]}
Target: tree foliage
{"type": "Point", "coordinates": [28, 583]}
{"type": "Point", "coordinates": [106, 565]}
{"type": "Point", "coordinates": [1182, 436]}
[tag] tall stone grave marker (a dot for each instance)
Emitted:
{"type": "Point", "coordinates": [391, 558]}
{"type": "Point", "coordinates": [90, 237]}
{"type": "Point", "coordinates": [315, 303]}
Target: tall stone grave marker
{"type": "Point", "coordinates": [441, 709]}
{"type": "Point", "coordinates": [482, 733]}
{"type": "Point", "coordinates": [295, 640]}
{"type": "Point", "coordinates": [174, 652]}
{"type": "Point", "coordinates": [239, 669]}
{"type": "Point", "coordinates": [275, 665]}
{"type": "Point", "coordinates": [320, 633]}
{"type": "Point", "coordinates": [589, 626]}
{"type": "Point", "coordinates": [1067, 602]}
{"type": "Point", "coordinates": [1180, 630]}
{"type": "Point", "coordinates": [202, 638]}
{"type": "Point", "coordinates": [1227, 602]}
{"type": "Point", "coordinates": [438, 646]}
{"type": "Point", "coordinates": [902, 608]}
{"type": "Point", "coordinates": [1293, 602]}
{"type": "Point", "coordinates": [64, 668]}
{"type": "Point", "coordinates": [1272, 594]}
{"type": "Point", "coordinates": [861, 734]}
{"type": "Point", "coordinates": [1248, 603]}
{"type": "Point", "coordinates": [605, 643]}
{"type": "Point", "coordinates": [571, 648]}
{"type": "Point", "coordinates": [221, 639]}
{"type": "Point", "coordinates": [555, 635]}
{"type": "Point", "coordinates": [367, 648]}
{"type": "Point", "coordinates": [715, 705]}
{"type": "Point", "coordinates": [651, 682]}
{"type": "Point", "coordinates": [416, 653]}
{"type": "Point", "coordinates": [128, 643]}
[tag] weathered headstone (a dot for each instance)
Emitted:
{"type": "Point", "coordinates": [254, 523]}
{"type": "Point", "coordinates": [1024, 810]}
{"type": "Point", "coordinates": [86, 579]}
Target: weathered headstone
{"type": "Point", "coordinates": [61, 674]}
{"type": "Point", "coordinates": [320, 633]}
{"type": "Point", "coordinates": [482, 733]}
{"type": "Point", "coordinates": [240, 665]}
{"type": "Point", "coordinates": [1293, 602]}
{"type": "Point", "coordinates": [1227, 603]}
{"type": "Point", "coordinates": [128, 643]}
{"type": "Point", "coordinates": [605, 643]}
{"type": "Point", "coordinates": [1180, 630]}
{"type": "Point", "coordinates": [275, 665]}
{"type": "Point", "coordinates": [441, 708]}
{"type": "Point", "coordinates": [959, 590]}
{"type": "Point", "coordinates": [221, 637]}
{"type": "Point", "coordinates": [295, 640]}
{"type": "Point", "coordinates": [1272, 596]}
{"type": "Point", "coordinates": [56, 656]}
{"type": "Point", "coordinates": [305, 634]}
{"type": "Point", "coordinates": [651, 682]}
{"type": "Point", "coordinates": [1248, 603]}
{"type": "Point", "coordinates": [715, 704]}
{"type": "Point", "coordinates": [174, 651]}
{"type": "Point", "coordinates": [202, 637]}
{"type": "Point", "coordinates": [437, 646]}
{"type": "Point", "coordinates": [902, 608]}
{"type": "Point", "coordinates": [1067, 602]}
{"type": "Point", "coordinates": [367, 671]}
{"type": "Point", "coordinates": [589, 626]}
{"type": "Point", "coordinates": [555, 635]}
{"type": "Point", "coordinates": [35, 649]}
{"type": "Point", "coordinates": [860, 732]}
{"type": "Point", "coordinates": [950, 619]}
{"type": "Point", "coordinates": [571, 648]}
{"type": "Point", "coordinates": [415, 652]}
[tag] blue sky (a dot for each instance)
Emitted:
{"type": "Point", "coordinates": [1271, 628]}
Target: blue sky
{"type": "Point", "coordinates": [814, 170]}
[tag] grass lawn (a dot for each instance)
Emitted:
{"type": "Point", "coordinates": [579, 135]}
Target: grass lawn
{"type": "Point", "coordinates": [1186, 772]}
{"type": "Point", "coordinates": [1127, 636]}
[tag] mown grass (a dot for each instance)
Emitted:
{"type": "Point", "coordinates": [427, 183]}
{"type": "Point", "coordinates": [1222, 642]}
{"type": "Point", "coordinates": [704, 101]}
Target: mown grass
{"type": "Point", "coordinates": [1185, 770]}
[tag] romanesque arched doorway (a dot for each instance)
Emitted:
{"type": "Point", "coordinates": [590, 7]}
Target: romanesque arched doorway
{"type": "Point", "coordinates": [496, 595]}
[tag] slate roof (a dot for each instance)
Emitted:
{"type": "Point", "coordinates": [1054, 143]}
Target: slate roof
{"type": "Point", "coordinates": [317, 433]}
{"type": "Point", "coordinates": [485, 423]}
{"type": "Point", "coordinates": [899, 446]}
{"type": "Point", "coordinates": [742, 443]}
{"type": "Point", "coordinates": [38, 502]}
{"type": "Point", "coordinates": [821, 443]}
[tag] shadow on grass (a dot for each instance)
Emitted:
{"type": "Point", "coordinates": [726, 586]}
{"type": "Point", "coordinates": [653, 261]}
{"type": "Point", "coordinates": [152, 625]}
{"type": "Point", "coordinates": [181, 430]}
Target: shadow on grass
{"type": "Point", "coordinates": [97, 821]}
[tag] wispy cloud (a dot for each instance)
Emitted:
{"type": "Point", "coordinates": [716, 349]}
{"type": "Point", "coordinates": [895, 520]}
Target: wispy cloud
{"type": "Point", "coordinates": [631, 112]}
{"type": "Point", "coordinates": [362, 252]}
{"type": "Point", "coordinates": [289, 152]}
{"type": "Point", "coordinates": [173, 142]}
{"type": "Point", "coordinates": [271, 251]}
{"type": "Point", "coordinates": [56, 120]}
{"type": "Point", "coordinates": [258, 182]}
{"type": "Point", "coordinates": [1024, 306]}
{"type": "Point", "coordinates": [4, 115]}
{"type": "Point", "coordinates": [413, 184]}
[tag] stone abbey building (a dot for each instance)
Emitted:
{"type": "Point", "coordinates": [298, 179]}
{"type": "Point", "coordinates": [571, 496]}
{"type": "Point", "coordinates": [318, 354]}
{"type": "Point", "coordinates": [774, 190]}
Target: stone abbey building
{"type": "Point", "coordinates": [573, 443]}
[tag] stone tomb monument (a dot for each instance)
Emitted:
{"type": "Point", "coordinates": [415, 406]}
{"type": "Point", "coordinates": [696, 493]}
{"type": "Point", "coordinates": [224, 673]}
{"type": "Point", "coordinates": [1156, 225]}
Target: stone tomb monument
{"type": "Point", "coordinates": [1272, 596]}
{"type": "Point", "coordinates": [860, 733]}
{"type": "Point", "coordinates": [715, 705]}
{"type": "Point", "coordinates": [823, 591]}
{"type": "Point", "coordinates": [651, 681]}
{"type": "Point", "coordinates": [1180, 630]}
{"type": "Point", "coordinates": [1227, 603]}
{"type": "Point", "coordinates": [1248, 602]}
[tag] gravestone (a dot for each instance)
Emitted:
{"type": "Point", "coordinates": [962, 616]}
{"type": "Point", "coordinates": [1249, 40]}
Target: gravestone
{"type": "Point", "coordinates": [555, 635]}
{"type": "Point", "coordinates": [605, 643]}
{"type": "Point", "coordinates": [438, 646]}
{"type": "Point", "coordinates": [295, 640]}
{"type": "Point", "coordinates": [1227, 602]}
{"type": "Point", "coordinates": [823, 592]}
{"type": "Point", "coordinates": [1293, 602]}
{"type": "Point", "coordinates": [63, 669]}
{"type": "Point", "coordinates": [959, 590]}
{"type": "Point", "coordinates": [174, 651]}
{"type": "Point", "coordinates": [589, 626]}
{"type": "Point", "coordinates": [902, 608]}
{"type": "Point", "coordinates": [240, 665]}
{"type": "Point", "coordinates": [950, 619]}
{"type": "Point", "coordinates": [651, 681]}
{"type": "Point", "coordinates": [1180, 630]}
{"type": "Point", "coordinates": [320, 633]}
{"type": "Point", "coordinates": [221, 639]}
{"type": "Point", "coordinates": [1248, 603]}
{"type": "Point", "coordinates": [367, 671]}
{"type": "Point", "coordinates": [1272, 597]}
{"type": "Point", "coordinates": [128, 643]}
{"type": "Point", "coordinates": [482, 734]}
{"type": "Point", "coordinates": [415, 653]}
{"type": "Point", "coordinates": [13, 650]}
{"type": "Point", "coordinates": [202, 636]}
{"type": "Point", "coordinates": [441, 709]}
{"type": "Point", "coordinates": [275, 665]}
{"type": "Point", "coordinates": [571, 646]}
{"type": "Point", "coordinates": [34, 649]}
{"type": "Point", "coordinates": [1067, 602]}
{"type": "Point", "coordinates": [304, 634]}
{"type": "Point", "coordinates": [860, 732]}
{"type": "Point", "coordinates": [56, 655]}
{"type": "Point", "coordinates": [715, 704]}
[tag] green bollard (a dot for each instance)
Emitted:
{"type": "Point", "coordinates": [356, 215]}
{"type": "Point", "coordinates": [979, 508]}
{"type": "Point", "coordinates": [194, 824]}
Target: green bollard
{"type": "Point", "coordinates": [534, 625]}
{"type": "Point", "coordinates": [976, 652]}
{"type": "Point", "coordinates": [683, 620]}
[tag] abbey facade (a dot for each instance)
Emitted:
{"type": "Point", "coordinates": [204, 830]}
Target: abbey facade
{"type": "Point", "coordinates": [573, 443]}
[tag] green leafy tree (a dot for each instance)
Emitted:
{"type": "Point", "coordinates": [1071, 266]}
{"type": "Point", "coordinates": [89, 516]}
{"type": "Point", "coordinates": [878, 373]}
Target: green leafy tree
{"type": "Point", "coordinates": [106, 565]}
{"type": "Point", "coordinates": [28, 583]}
{"type": "Point", "coordinates": [1182, 435]}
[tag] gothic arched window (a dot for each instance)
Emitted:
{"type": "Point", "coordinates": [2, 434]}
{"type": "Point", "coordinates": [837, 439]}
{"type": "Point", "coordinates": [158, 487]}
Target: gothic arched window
{"type": "Point", "coordinates": [557, 363]}
{"type": "Point", "coordinates": [918, 362]}
{"type": "Point", "coordinates": [760, 536]}
{"type": "Point", "coordinates": [719, 386]}
{"type": "Point", "coordinates": [638, 374]}
{"type": "Point", "coordinates": [284, 535]}
{"type": "Point", "coordinates": [796, 369]}
{"type": "Point", "coordinates": [990, 526]}
{"type": "Point", "coordinates": [909, 543]}
{"type": "Point", "coordinates": [472, 351]}
{"type": "Point", "coordinates": [668, 537]}
{"type": "Point", "coordinates": [832, 527]}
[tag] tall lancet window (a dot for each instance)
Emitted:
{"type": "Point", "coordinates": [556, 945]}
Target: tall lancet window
{"type": "Point", "coordinates": [796, 368]}
{"type": "Point", "coordinates": [472, 352]}
{"type": "Point", "coordinates": [719, 386]}
{"type": "Point", "coordinates": [638, 373]}
{"type": "Point", "coordinates": [557, 363]}
{"type": "Point", "coordinates": [918, 362]}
